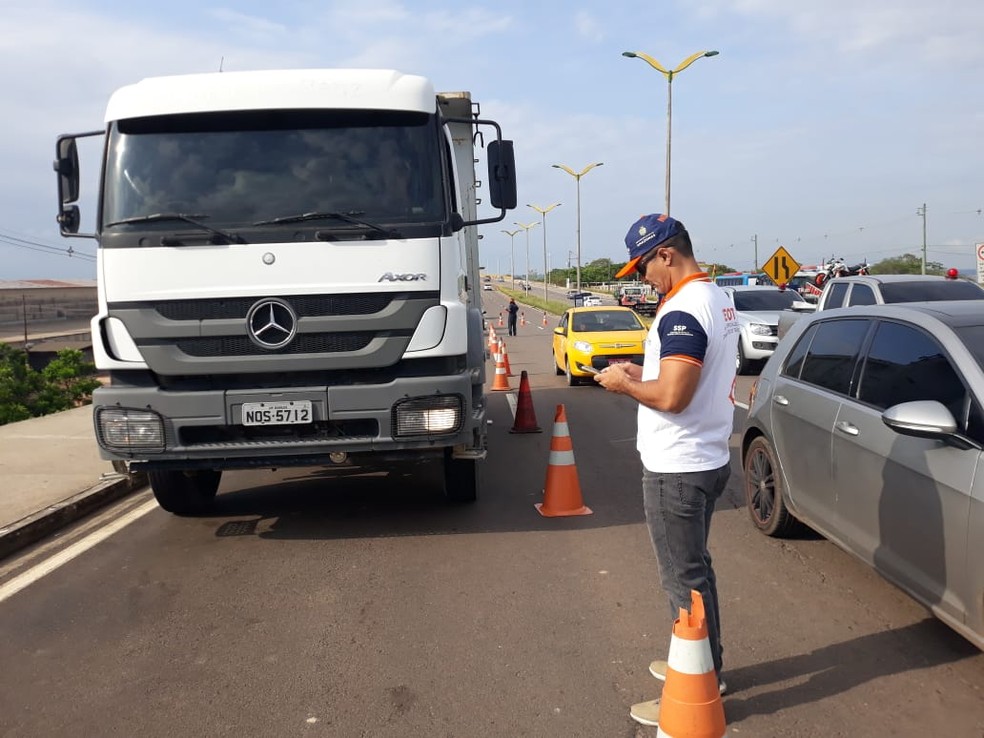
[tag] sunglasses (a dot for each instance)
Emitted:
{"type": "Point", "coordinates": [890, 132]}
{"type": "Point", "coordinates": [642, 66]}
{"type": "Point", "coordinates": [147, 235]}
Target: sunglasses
{"type": "Point", "coordinates": [643, 264]}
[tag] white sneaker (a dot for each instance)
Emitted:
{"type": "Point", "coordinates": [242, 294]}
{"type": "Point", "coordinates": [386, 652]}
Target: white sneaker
{"type": "Point", "coordinates": [658, 669]}
{"type": "Point", "coordinates": [646, 713]}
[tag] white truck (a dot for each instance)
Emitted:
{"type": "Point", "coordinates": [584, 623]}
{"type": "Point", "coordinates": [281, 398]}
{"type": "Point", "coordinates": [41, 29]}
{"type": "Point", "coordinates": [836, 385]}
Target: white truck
{"type": "Point", "coordinates": [288, 275]}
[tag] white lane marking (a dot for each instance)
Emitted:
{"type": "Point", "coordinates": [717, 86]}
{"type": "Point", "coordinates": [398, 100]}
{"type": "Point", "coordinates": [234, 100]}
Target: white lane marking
{"type": "Point", "coordinates": [33, 574]}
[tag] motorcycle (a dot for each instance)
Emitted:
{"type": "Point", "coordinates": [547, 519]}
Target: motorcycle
{"type": "Point", "coordinates": [838, 268]}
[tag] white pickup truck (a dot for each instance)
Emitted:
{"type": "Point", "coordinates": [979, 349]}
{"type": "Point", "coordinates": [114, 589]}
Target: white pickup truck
{"type": "Point", "coordinates": [878, 289]}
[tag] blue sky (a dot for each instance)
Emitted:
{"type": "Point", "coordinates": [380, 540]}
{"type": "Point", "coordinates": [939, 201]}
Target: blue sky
{"type": "Point", "coordinates": [822, 127]}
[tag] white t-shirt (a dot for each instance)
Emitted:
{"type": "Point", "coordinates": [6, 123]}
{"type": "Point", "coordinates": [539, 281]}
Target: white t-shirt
{"type": "Point", "coordinates": [696, 323]}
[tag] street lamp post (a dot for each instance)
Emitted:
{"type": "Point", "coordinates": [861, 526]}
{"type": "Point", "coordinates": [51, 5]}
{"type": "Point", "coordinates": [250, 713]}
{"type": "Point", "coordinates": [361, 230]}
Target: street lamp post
{"type": "Point", "coordinates": [512, 256]}
{"type": "Point", "coordinates": [577, 178]}
{"type": "Point", "coordinates": [668, 73]}
{"type": "Point", "coordinates": [526, 227]}
{"type": "Point", "coordinates": [543, 213]}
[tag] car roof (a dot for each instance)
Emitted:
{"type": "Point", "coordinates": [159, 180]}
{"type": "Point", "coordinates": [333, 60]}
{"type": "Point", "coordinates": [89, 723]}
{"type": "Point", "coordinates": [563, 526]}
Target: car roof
{"type": "Point", "coordinates": [750, 287]}
{"type": "Point", "coordinates": [600, 308]}
{"type": "Point", "coordinates": [955, 313]}
{"type": "Point", "coordinates": [888, 278]}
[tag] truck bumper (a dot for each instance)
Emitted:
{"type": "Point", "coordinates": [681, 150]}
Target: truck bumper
{"type": "Point", "coordinates": [154, 428]}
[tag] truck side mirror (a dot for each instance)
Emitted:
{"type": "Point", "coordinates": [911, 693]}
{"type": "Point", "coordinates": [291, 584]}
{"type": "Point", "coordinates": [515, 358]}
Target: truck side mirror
{"type": "Point", "coordinates": [67, 166]}
{"type": "Point", "coordinates": [502, 174]}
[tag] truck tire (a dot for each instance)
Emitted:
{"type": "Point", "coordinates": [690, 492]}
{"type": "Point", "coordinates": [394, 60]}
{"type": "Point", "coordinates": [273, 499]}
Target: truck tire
{"type": "Point", "coordinates": [763, 491]}
{"type": "Point", "coordinates": [461, 479]}
{"type": "Point", "coordinates": [185, 492]}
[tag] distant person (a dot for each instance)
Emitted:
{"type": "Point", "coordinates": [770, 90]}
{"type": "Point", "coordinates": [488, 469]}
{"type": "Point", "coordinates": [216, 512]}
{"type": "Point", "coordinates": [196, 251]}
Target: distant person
{"type": "Point", "coordinates": [513, 310]}
{"type": "Point", "coordinates": [686, 412]}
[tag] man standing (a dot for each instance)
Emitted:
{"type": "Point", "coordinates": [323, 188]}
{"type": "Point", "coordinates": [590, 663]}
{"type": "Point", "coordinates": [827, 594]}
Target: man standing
{"type": "Point", "coordinates": [513, 309]}
{"type": "Point", "coordinates": [686, 406]}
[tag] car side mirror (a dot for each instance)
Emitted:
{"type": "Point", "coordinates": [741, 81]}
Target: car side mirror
{"type": "Point", "coordinates": [560, 331]}
{"type": "Point", "coordinates": [925, 419]}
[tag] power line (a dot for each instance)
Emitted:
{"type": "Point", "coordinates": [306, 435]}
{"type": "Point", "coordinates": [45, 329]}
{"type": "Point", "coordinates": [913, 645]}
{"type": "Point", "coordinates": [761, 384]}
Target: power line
{"type": "Point", "coordinates": [23, 243]}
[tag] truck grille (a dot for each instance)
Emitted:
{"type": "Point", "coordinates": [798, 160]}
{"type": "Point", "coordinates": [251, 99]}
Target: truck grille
{"type": "Point", "coordinates": [304, 305]}
{"type": "Point", "coordinates": [305, 343]}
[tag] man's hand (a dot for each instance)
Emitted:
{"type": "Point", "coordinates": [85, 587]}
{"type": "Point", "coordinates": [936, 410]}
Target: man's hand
{"type": "Point", "coordinates": [616, 377]}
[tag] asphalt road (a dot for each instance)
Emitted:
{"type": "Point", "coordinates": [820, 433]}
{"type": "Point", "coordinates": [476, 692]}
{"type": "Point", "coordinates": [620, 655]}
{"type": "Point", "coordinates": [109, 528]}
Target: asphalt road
{"type": "Point", "coordinates": [317, 603]}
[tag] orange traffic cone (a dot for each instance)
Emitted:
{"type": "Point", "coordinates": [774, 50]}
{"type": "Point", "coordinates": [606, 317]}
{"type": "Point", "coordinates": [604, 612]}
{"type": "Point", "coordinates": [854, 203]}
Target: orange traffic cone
{"type": "Point", "coordinates": [500, 319]}
{"type": "Point", "coordinates": [525, 414]}
{"type": "Point", "coordinates": [501, 382]}
{"type": "Point", "coordinates": [493, 341]}
{"type": "Point", "coordinates": [544, 318]}
{"type": "Point", "coordinates": [690, 706]}
{"type": "Point", "coordinates": [522, 318]}
{"type": "Point", "coordinates": [562, 491]}
{"type": "Point", "coordinates": [505, 358]}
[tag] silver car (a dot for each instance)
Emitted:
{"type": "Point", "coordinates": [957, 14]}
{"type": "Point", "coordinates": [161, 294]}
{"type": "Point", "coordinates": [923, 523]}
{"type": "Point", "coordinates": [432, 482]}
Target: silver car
{"type": "Point", "coordinates": [758, 309]}
{"type": "Point", "coordinates": [867, 425]}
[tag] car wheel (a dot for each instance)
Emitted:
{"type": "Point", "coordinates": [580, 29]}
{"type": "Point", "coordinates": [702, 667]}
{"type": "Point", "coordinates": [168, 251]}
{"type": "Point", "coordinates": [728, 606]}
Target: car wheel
{"type": "Point", "coordinates": [572, 381]}
{"type": "Point", "coordinates": [185, 492]}
{"type": "Point", "coordinates": [560, 372]}
{"type": "Point", "coordinates": [741, 363]}
{"type": "Point", "coordinates": [763, 490]}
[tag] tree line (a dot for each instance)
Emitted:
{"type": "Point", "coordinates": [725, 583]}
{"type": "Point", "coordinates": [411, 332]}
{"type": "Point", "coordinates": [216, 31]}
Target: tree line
{"type": "Point", "coordinates": [66, 382]}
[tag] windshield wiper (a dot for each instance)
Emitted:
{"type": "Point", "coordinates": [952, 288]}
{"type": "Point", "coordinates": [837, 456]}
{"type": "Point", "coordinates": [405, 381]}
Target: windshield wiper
{"type": "Point", "coordinates": [184, 217]}
{"type": "Point", "coordinates": [348, 217]}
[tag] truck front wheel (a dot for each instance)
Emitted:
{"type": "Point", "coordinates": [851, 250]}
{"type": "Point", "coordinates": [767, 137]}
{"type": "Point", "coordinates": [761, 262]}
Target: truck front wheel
{"type": "Point", "coordinates": [185, 492]}
{"type": "Point", "coordinates": [461, 479]}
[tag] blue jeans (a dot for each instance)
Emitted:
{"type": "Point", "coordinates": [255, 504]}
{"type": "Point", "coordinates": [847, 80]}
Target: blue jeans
{"type": "Point", "coordinates": [678, 512]}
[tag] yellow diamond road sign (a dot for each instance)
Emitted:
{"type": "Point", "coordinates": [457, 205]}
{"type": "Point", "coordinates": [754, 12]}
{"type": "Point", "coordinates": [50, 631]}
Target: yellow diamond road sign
{"type": "Point", "coordinates": [780, 267]}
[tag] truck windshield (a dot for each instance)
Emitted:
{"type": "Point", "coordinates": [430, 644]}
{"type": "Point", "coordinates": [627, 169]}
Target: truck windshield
{"type": "Point", "coordinates": [240, 168]}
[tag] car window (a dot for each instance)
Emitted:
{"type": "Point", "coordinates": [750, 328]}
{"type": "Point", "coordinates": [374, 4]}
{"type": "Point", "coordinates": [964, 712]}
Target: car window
{"type": "Point", "coordinates": [563, 321]}
{"type": "Point", "coordinates": [931, 291]}
{"type": "Point", "coordinates": [833, 354]}
{"type": "Point", "coordinates": [794, 362]}
{"type": "Point", "coordinates": [836, 297]}
{"type": "Point", "coordinates": [862, 294]}
{"type": "Point", "coordinates": [904, 364]}
{"type": "Point", "coordinates": [752, 300]}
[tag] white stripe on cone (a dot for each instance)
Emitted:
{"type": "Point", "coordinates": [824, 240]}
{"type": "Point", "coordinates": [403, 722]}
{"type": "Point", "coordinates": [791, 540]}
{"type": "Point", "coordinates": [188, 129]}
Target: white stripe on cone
{"type": "Point", "coordinates": [690, 657]}
{"type": "Point", "coordinates": [561, 458]}
{"type": "Point", "coordinates": [561, 429]}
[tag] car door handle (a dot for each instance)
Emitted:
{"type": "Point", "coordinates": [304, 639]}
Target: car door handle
{"type": "Point", "coordinates": [780, 400]}
{"type": "Point", "coordinates": [847, 428]}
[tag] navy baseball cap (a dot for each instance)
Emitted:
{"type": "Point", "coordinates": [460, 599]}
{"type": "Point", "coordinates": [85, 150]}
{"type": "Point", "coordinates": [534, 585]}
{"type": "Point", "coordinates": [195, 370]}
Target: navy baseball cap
{"type": "Point", "coordinates": [646, 234]}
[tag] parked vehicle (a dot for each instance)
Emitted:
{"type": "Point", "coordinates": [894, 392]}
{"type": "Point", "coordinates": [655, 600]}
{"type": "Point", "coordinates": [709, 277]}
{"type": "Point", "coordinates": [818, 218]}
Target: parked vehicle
{"type": "Point", "coordinates": [596, 337]}
{"type": "Point", "coordinates": [837, 267]}
{"type": "Point", "coordinates": [288, 271]}
{"type": "Point", "coordinates": [635, 297]}
{"type": "Point", "coordinates": [877, 289]}
{"type": "Point", "coordinates": [867, 425]}
{"type": "Point", "coordinates": [757, 309]}
{"type": "Point", "coordinates": [738, 279]}
{"type": "Point", "coordinates": [591, 300]}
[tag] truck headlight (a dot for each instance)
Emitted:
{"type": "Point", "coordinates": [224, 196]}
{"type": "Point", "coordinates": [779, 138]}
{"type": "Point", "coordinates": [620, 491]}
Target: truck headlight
{"type": "Point", "coordinates": [759, 329]}
{"type": "Point", "coordinates": [426, 416]}
{"type": "Point", "coordinates": [127, 430]}
{"type": "Point", "coordinates": [583, 346]}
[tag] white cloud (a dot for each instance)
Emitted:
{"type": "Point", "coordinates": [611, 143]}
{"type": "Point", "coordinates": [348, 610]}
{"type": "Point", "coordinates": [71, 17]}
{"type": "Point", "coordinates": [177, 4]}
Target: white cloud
{"type": "Point", "coordinates": [588, 26]}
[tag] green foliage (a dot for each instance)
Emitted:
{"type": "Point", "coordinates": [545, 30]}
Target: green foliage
{"type": "Point", "coordinates": [906, 264]}
{"type": "Point", "coordinates": [25, 393]}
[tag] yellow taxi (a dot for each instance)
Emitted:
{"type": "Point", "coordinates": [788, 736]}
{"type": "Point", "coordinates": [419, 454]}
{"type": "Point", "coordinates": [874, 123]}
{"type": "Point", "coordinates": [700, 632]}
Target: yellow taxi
{"type": "Point", "coordinates": [596, 337]}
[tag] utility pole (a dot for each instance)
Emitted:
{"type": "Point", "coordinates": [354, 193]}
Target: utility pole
{"type": "Point", "coordinates": [922, 211]}
{"type": "Point", "coordinates": [755, 240]}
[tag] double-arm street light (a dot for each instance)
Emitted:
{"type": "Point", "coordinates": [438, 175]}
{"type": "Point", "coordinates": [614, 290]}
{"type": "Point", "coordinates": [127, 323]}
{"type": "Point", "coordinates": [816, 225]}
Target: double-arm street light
{"type": "Point", "coordinates": [512, 256]}
{"type": "Point", "coordinates": [577, 178]}
{"type": "Point", "coordinates": [668, 73]}
{"type": "Point", "coordinates": [543, 213]}
{"type": "Point", "coordinates": [526, 227]}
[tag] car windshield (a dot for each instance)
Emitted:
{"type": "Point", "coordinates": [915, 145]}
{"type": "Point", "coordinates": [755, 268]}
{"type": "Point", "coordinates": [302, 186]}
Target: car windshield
{"type": "Point", "coordinates": [754, 300]}
{"type": "Point", "coordinates": [235, 169]}
{"type": "Point", "coordinates": [931, 291]}
{"type": "Point", "coordinates": [597, 321]}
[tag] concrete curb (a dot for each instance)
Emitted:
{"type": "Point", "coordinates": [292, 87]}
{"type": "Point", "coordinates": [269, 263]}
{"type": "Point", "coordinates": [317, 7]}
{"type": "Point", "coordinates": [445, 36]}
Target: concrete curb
{"type": "Point", "coordinates": [36, 526]}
